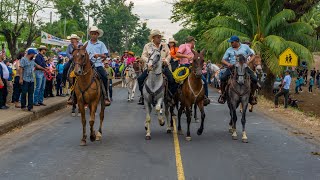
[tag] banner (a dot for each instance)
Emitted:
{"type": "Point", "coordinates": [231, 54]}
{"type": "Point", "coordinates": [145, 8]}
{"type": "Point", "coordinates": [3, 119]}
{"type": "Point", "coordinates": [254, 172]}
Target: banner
{"type": "Point", "coordinates": [50, 39]}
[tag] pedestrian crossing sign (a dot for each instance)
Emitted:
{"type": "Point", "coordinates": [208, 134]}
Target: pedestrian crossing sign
{"type": "Point", "coordinates": [288, 58]}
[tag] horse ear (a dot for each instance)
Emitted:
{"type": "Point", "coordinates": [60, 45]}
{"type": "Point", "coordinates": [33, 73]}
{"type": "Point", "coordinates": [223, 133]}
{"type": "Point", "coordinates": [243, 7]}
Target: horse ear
{"type": "Point", "coordinates": [203, 52]}
{"type": "Point", "coordinates": [85, 45]}
{"type": "Point", "coordinates": [194, 52]}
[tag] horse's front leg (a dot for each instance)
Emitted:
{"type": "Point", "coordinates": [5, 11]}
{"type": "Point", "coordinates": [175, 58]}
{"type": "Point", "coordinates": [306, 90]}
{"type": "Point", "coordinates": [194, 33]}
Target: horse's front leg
{"type": "Point", "coordinates": [134, 89]}
{"type": "Point", "coordinates": [203, 115]}
{"type": "Point", "coordinates": [195, 113]}
{"type": "Point", "coordinates": [83, 141]}
{"type": "Point", "coordinates": [166, 113]}
{"type": "Point", "coordinates": [179, 119]}
{"type": "Point", "coordinates": [188, 113]}
{"type": "Point", "coordinates": [234, 122]}
{"type": "Point", "coordinates": [148, 118]}
{"type": "Point", "coordinates": [158, 109]}
{"type": "Point", "coordinates": [243, 122]}
{"type": "Point", "coordinates": [93, 109]}
{"type": "Point", "coordinates": [99, 133]}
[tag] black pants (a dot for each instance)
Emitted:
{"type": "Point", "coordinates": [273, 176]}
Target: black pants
{"type": "Point", "coordinates": [110, 88]}
{"type": "Point", "coordinates": [284, 92]}
{"type": "Point", "coordinates": [310, 88]}
{"type": "Point", "coordinates": [174, 64]}
{"type": "Point", "coordinates": [16, 89]}
{"type": "Point", "coordinates": [48, 88]}
{"type": "Point", "coordinates": [173, 86]}
{"type": "Point", "coordinates": [104, 76]}
{"type": "Point", "coordinates": [3, 93]}
{"type": "Point", "coordinates": [27, 87]}
{"type": "Point", "coordinates": [58, 85]}
{"type": "Point", "coordinates": [65, 71]}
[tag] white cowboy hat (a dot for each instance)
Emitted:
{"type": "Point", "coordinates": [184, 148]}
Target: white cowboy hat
{"type": "Point", "coordinates": [154, 32]}
{"type": "Point", "coordinates": [73, 36]}
{"type": "Point", "coordinates": [42, 47]}
{"type": "Point", "coordinates": [173, 40]}
{"type": "Point", "coordinates": [96, 29]}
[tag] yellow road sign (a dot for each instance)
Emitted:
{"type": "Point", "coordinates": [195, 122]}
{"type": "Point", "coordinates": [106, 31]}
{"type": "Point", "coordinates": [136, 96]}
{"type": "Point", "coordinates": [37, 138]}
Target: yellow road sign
{"type": "Point", "coordinates": [288, 58]}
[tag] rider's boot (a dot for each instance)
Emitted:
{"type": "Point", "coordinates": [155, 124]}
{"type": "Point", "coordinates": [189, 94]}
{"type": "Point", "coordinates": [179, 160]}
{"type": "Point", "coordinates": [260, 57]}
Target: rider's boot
{"type": "Point", "coordinates": [222, 98]}
{"type": "Point", "coordinates": [107, 101]}
{"type": "Point", "coordinates": [141, 100]}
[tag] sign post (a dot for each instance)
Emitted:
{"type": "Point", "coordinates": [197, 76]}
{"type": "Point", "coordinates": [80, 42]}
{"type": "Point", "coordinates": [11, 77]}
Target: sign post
{"type": "Point", "coordinates": [288, 58]}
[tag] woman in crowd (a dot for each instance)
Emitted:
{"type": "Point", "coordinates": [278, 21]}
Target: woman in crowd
{"type": "Point", "coordinates": [59, 72]}
{"type": "Point", "coordinates": [173, 51]}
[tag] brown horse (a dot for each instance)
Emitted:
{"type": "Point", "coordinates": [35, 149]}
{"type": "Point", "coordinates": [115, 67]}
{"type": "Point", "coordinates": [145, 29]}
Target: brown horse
{"type": "Point", "coordinates": [88, 91]}
{"type": "Point", "coordinates": [256, 66]}
{"type": "Point", "coordinates": [192, 92]}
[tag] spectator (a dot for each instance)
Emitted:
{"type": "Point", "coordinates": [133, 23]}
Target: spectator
{"type": "Point", "coordinates": [204, 79]}
{"type": "Point", "coordinates": [297, 85]}
{"type": "Point", "coordinates": [311, 83]}
{"type": "Point", "coordinates": [59, 70]}
{"type": "Point", "coordinates": [9, 83]}
{"type": "Point", "coordinates": [40, 78]}
{"type": "Point", "coordinates": [318, 79]}
{"type": "Point", "coordinates": [284, 90]}
{"type": "Point", "coordinates": [3, 84]}
{"type": "Point", "coordinates": [16, 85]}
{"type": "Point", "coordinates": [301, 82]}
{"type": "Point", "coordinates": [49, 81]}
{"type": "Point", "coordinates": [313, 73]}
{"type": "Point", "coordinates": [111, 75]}
{"type": "Point", "coordinates": [27, 66]}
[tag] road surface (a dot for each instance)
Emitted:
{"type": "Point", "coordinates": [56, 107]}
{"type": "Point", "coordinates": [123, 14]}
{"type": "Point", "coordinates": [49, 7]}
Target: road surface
{"type": "Point", "coordinates": [49, 149]}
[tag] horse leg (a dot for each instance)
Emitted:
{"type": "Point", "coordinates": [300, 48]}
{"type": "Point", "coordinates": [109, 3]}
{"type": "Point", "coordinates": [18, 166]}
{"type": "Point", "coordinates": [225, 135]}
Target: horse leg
{"type": "Point", "coordinates": [93, 109]}
{"type": "Point", "coordinates": [243, 122]}
{"type": "Point", "coordinates": [179, 120]}
{"type": "Point", "coordinates": [241, 107]}
{"type": "Point", "coordinates": [195, 113]}
{"type": "Point", "coordinates": [83, 141]}
{"type": "Point", "coordinates": [158, 109]}
{"type": "Point", "coordinates": [230, 122]}
{"type": "Point", "coordinates": [203, 115]}
{"type": "Point", "coordinates": [166, 113]}
{"type": "Point", "coordinates": [148, 119]}
{"type": "Point", "coordinates": [251, 108]}
{"type": "Point", "coordinates": [99, 133]}
{"type": "Point", "coordinates": [188, 113]}
{"type": "Point", "coordinates": [133, 89]}
{"type": "Point", "coordinates": [234, 121]}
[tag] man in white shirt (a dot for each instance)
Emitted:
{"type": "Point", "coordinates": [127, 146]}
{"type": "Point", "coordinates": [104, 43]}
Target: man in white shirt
{"type": "Point", "coordinates": [284, 90]}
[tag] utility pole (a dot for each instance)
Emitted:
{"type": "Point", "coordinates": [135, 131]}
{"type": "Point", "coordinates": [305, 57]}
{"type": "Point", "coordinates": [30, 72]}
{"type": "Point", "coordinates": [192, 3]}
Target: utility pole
{"type": "Point", "coordinates": [51, 17]}
{"type": "Point", "coordinates": [88, 27]}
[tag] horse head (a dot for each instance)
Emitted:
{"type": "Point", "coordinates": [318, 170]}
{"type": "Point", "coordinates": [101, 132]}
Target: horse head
{"type": "Point", "coordinates": [80, 59]}
{"type": "Point", "coordinates": [197, 63]}
{"type": "Point", "coordinates": [240, 70]}
{"type": "Point", "coordinates": [156, 60]}
{"type": "Point", "coordinates": [257, 63]}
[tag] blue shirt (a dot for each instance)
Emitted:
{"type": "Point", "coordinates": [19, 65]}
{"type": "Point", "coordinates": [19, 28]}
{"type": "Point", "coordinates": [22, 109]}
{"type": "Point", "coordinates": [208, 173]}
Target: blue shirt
{"type": "Point", "coordinates": [40, 60]}
{"type": "Point", "coordinates": [231, 53]}
{"type": "Point", "coordinates": [70, 50]}
{"type": "Point", "coordinates": [96, 48]}
{"type": "Point", "coordinates": [297, 83]}
{"type": "Point", "coordinates": [287, 82]}
{"type": "Point", "coordinates": [28, 69]}
{"type": "Point", "coordinates": [311, 82]}
{"type": "Point", "coordinates": [60, 68]}
{"type": "Point", "coordinates": [10, 73]}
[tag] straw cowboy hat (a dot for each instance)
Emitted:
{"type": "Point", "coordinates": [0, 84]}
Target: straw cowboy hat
{"type": "Point", "coordinates": [131, 53]}
{"type": "Point", "coordinates": [96, 29]}
{"type": "Point", "coordinates": [73, 36]}
{"type": "Point", "coordinates": [153, 33]}
{"type": "Point", "coordinates": [42, 47]}
{"type": "Point", "coordinates": [173, 40]}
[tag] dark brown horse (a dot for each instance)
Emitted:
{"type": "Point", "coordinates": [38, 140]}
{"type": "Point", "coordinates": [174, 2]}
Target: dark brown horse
{"type": "Point", "coordinates": [88, 91]}
{"type": "Point", "coordinates": [192, 92]}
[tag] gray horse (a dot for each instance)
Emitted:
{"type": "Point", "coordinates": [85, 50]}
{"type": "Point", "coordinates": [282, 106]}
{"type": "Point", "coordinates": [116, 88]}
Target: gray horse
{"type": "Point", "coordinates": [153, 92]}
{"type": "Point", "coordinates": [130, 81]}
{"type": "Point", "coordinates": [239, 92]}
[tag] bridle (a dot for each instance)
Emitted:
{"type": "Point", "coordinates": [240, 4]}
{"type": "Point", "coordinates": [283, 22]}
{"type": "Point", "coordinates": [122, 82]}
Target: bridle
{"type": "Point", "coordinates": [82, 58]}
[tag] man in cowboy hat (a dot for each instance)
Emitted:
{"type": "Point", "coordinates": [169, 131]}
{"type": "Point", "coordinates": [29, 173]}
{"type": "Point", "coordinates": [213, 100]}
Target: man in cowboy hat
{"type": "Point", "coordinates": [40, 78]}
{"type": "Point", "coordinates": [97, 51]}
{"type": "Point", "coordinates": [75, 43]}
{"type": "Point", "coordinates": [155, 43]}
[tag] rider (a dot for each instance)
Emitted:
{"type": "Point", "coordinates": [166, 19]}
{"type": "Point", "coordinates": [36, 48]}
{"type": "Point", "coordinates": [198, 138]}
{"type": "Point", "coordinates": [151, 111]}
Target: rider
{"type": "Point", "coordinates": [186, 56]}
{"type": "Point", "coordinates": [97, 51]}
{"type": "Point", "coordinates": [129, 60]}
{"type": "Point", "coordinates": [74, 43]}
{"type": "Point", "coordinates": [229, 60]}
{"type": "Point", "coordinates": [155, 44]}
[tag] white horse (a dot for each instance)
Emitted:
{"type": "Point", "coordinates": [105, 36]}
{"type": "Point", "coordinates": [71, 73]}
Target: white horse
{"type": "Point", "coordinates": [153, 92]}
{"type": "Point", "coordinates": [130, 81]}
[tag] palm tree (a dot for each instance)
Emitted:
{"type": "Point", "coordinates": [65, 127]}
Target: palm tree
{"type": "Point", "coordinates": [264, 23]}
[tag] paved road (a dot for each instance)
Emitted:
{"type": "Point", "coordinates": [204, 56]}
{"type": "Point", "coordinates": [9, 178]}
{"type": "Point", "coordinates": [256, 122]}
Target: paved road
{"type": "Point", "coordinates": [49, 149]}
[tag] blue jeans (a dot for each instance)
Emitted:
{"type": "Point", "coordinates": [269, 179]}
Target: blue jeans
{"type": "Point", "coordinates": [110, 88]}
{"type": "Point", "coordinates": [183, 72]}
{"type": "Point", "coordinates": [40, 87]}
{"type": "Point", "coordinates": [205, 85]}
{"type": "Point", "coordinates": [27, 87]}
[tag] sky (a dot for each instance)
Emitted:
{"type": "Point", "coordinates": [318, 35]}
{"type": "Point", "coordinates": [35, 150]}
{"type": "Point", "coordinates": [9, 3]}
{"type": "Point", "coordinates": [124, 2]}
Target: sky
{"type": "Point", "coordinates": [156, 13]}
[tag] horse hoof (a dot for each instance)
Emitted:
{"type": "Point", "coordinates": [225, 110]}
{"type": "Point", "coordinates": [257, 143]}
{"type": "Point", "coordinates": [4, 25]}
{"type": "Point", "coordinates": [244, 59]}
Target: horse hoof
{"type": "Point", "coordinates": [234, 138]}
{"type": "Point", "coordinates": [245, 140]}
{"type": "Point", "coordinates": [188, 138]}
{"type": "Point", "coordinates": [180, 132]}
{"type": "Point", "coordinates": [79, 115]}
{"type": "Point", "coordinates": [162, 124]}
{"type": "Point", "coordinates": [73, 114]}
{"type": "Point", "coordinates": [230, 130]}
{"type": "Point", "coordinates": [92, 137]}
{"type": "Point", "coordinates": [197, 121]}
{"type": "Point", "coordinates": [169, 131]}
{"type": "Point", "coordinates": [148, 137]}
{"type": "Point", "coordinates": [83, 143]}
{"type": "Point", "coordinates": [199, 132]}
{"type": "Point", "coordinates": [250, 110]}
{"type": "Point", "coordinates": [98, 136]}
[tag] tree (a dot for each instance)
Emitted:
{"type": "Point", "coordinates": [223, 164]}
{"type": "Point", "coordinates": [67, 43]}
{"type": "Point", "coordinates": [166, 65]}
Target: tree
{"type": "Point", "coordinates": [140, 38]}
{"type": "Point", "coordinates": [269, 31]}
{"type": "Point", "coordinates": [181, 35]}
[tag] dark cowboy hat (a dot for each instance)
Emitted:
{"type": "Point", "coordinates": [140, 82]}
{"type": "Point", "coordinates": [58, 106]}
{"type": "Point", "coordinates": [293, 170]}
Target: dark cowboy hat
{"type": "Point", "coordinates": [190, 38]}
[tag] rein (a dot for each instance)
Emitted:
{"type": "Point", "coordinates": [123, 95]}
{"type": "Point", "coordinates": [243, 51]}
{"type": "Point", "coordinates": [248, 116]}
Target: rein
{"type": "Point", "coordinates": [194, 94]}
